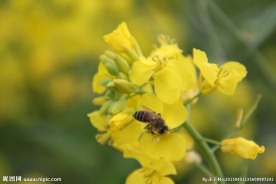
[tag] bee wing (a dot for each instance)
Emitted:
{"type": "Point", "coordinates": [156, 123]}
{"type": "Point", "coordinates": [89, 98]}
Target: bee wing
{"type": "Point", "coordinates": [147, 109]}
{"type": "Point", "coordinates": [154, 114]}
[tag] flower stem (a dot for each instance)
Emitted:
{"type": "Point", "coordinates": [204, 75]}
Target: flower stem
{"type": "Point", "coordinates": [204, 170]}
{"type": "Point", "coordinates": [211, 141]}
{"type": "Point", "coordinates": [190, 100]}
{"type": "Point", "coordinates": [206, 151]}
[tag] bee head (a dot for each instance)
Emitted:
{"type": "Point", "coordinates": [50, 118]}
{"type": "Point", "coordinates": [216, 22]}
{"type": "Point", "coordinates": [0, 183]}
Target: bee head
{"type": "Point", "coordinates": [163, 130]}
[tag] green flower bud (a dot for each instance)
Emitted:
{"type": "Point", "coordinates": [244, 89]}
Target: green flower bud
{"type": "Point", "coordinates": [105, 81]}
{"type": "Point", "coordinates": [110, 65]}
{"type": "Point", "coordinates": [117, 106]}
{"type": "Point", "coordinates": [124, 85]}
{"type": "Point", "coordinates": [122, 64]}
{"type": "Point", "coordinates": [105, 107]}
{"type": "Point", "coordinates": [99, 100]}
{"type": "Point", "coordinates": [123, 76]}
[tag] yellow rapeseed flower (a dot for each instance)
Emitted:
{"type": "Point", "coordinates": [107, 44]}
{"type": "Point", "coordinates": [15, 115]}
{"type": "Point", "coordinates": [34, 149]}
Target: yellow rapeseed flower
{"type": "Point", "coordinates": [170, 70]}
{"type": "Point", "coordinates": [225, 78]}
{"type": "Point", "coordinates": [242, 147]}
{"type": "Point", "coordinates": [120, 39]}
{"type": "Point", "coordinates": [152, 171]}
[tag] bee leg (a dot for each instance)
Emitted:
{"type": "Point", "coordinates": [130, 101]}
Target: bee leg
{"type": "Point", "coordinates": [141, 135]}
{"type": "Point", "coordinates": [146, 129]}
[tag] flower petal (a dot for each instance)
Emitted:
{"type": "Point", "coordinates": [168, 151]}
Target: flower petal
{"type": "Point", "coordinates": [151, 102]}
{"type": "Point", "coordinates": [162, 166]}
{"type": "Point", "coordinates": [231, 74]}
{"type": "Point", "coordinates": [142, 70]}
{"type": "Point", "coordinates": [174, 114]}
{"type": "Point", "coordinates": [120, 38]}
{"type": "Point", "coordinates": [98, 120]}
{"type": "Point", "coordinates": [127, 137]}
{"type": "Point", "coordinates": [98, 77]}
{"type": "Point", "coordinates": [136, 176]}
{"type": "Point", "coordinates": [242, 147]}
{"type": "Point", "coordinates": [237, 68]}
{"type": "Point", "coordinates": [139, 176]}
{"type": "Point", "coordinates": [170, 146]}
{"type": "Point", "coordinates": [167, 85]}
{"type": "Point", "coordinates": [207, 70]}
{"type": "Point", "coordinates": [186, 70]}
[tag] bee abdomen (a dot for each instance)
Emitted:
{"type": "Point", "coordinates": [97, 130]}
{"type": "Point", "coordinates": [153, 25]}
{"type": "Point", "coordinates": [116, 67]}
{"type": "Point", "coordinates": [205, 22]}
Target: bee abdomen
{"type": "Point", "coordinates": [142, 116]}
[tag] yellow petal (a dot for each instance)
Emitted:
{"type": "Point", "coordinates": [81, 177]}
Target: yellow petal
{"type": "Point", "coordinates": [200, 57]}
{"type": "Point", "coordinates": [126, 138]}
{"type": "Point", "coordinates": [207, 70]}
{"type": "Point", "coordinates": [133, 101]}
{"type": "Point", "coordinates": [119, 121]}
{"type": "Point", "coordinates": [167, 85]}
{"type": "Point", "coordinates": [136, 177]}
{"type": "Point", "coordinates": [231, 73]}
{"type": "Point", "coordinates": [151, 102]}
{"type": "Point", "coordinates": [98, 77]}
{"type": "Point", "coordinates": [162, 166]}
{"type": "Point", "coordinates": [238, 69]}
{"type": "Point", "coordinates": [242, 147]}
{"type": "Point", "coordinates": [142, 71]}
{"type": "Point", "coordinates": [174, 114]}
{"type": "Point", "coordinates": [120, 38]}
{"type": "Point", "coordinates": [140, 176]}
{"type": "Point", "coordinates": [170, 146]}
{"type": "Point", "coordinates": [187, 72]}
{"type": "Point", "coordinates": [98, 120]}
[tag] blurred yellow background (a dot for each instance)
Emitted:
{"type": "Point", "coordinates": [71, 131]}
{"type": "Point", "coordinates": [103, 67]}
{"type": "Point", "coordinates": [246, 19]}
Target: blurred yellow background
{"type": "Point", "coordinates": [49, 52]}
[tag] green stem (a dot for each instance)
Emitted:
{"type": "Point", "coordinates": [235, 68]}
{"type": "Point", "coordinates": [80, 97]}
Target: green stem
{"type": "Point", "coordinates": [211, 141]}
{"type": "Point", "coordinates": [206, 151]}
{"type": "Point", "coordinates": [204, 170]}
{"type": "Point", "coordinates": [190, 100]}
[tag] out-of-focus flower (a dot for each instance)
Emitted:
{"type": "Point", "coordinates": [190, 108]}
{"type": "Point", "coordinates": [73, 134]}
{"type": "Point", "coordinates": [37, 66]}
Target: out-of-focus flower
{"type": "Point", "coordinates": [242, 147]}
{"type": "Point", "coordinates": [225, 78]}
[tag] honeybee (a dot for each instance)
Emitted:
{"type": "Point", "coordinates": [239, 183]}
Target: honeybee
{"type": "Point", "coordinates": [156, 124]}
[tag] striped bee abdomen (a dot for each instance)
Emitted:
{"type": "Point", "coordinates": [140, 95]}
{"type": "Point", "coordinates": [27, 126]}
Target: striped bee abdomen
{"type": "Point", "coordinates": [144, 116]}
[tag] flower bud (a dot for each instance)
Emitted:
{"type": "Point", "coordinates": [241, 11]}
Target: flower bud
{"type": "Point", "coordinates": [102, 138]}
{"type": "Point", "coordinates": [120, 38]}
{"type": "Point", "coordinates": [99, 100]}
{"type": "Point", "coordinates": [124, 85]}
{"type": "Point", "coordinates": [109, 65]}
{"type": "Point", "coordinates": [122, 64]}
{"type": "Point", "coordinates": [242, 147]}
{"type": "Point", "coordinates": [105, 106]}
{"type": "Point", "coordinates": [119, 121]}
{"type": "Point", "coordinates": [117, 106]}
